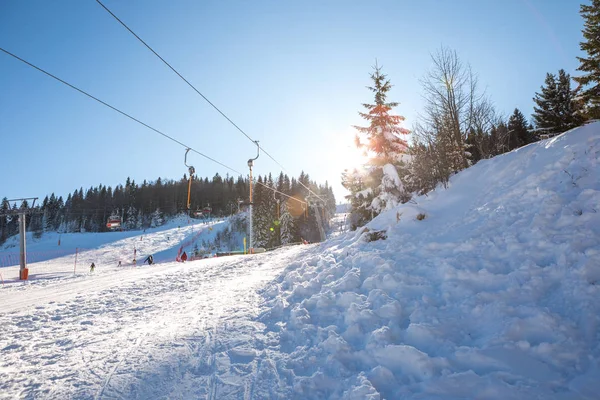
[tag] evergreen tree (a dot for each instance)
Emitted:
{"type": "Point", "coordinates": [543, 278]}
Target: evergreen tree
{"type": "Point", "coordinates": [36, 226]}
{"type": "Point", "coordinates": [471, 145]}
{"type": "Point", "coordinates": [131, 218]}
{"type": "Point", "coordinates": [360, 197]}
{"type": "Point", "coordinates": [517, 130]}
{"type": "Point", "coordinates": [260, 216]}
{"type": "Point", "coordinates": [557, 109]}
{"type": "Point", "coordinates": [288, 225]}
{"type": "Point", "coordinates": [384, 130]}
{"type": "Point", "coordinates": [545, 114]}
{"type": "Point", "coordinates": [382, 141]}
{"type": "Point", "coordinates": [569, 109]}
{"type": "Point", "coordinates": [4, 232]}
{"type": "Point", "coordinates": [157, 219]}
{"type": "Point", "coordinates": [590, 65]}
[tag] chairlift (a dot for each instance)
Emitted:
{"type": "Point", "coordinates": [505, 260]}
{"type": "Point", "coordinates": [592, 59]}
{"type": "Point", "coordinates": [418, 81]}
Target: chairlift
{"type": "Point", "coordinates": [114, 222]}
{"type": "Point", "coordinates": [192, 171]}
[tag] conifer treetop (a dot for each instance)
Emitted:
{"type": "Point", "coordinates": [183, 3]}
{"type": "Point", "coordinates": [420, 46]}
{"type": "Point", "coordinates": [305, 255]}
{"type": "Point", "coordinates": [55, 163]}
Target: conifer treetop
{"type": "Point", "coordinates": [382, 136]}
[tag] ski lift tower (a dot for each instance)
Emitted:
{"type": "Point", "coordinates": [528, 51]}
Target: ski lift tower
{"type": "Point", "coordinates": [315, 203]}
{"type": "Point", "coordinates": [250, 165]}
{"type": "Point", "coordinates": [22, 213]}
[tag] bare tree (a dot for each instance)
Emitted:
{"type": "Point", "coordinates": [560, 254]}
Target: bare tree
{"type": "Point", "coordinates": [454, 107]}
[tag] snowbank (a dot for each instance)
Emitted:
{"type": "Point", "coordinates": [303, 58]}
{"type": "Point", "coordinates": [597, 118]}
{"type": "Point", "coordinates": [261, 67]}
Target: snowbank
{"type": "Point", "coordinates": [485, 290]}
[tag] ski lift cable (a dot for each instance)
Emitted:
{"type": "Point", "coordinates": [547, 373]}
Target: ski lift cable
{"type": "Point", "coordinates": [117, 110]}
{"type": "Point", "coordinates": [130, 117]}
{"type": "Point", "coordinates": [201, 95]}
{"type": "Point", "coordinates": [277, 191]}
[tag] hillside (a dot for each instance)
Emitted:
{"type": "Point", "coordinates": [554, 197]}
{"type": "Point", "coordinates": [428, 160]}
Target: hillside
{"type": "Point", "coordinates": [493, 295]}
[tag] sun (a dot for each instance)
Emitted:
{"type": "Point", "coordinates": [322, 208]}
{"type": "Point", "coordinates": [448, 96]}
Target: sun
{"type": "Point", "coordinates": [349, 157]}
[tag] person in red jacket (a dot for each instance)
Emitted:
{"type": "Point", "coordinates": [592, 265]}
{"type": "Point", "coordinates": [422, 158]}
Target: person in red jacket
{"type": "Point", "coordinates": [184, 257]}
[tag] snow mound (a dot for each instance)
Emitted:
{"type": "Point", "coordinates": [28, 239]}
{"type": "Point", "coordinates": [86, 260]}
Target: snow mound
{"type": "Point", "coordinates": [488, 289]}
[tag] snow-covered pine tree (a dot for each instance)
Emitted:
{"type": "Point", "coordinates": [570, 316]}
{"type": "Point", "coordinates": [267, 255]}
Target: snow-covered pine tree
{"type": "Point", "coordinates": [139, 220]}
{"type": "Point", "coordinates": [590, 65]}
{"type": "Point", "coordinates": [260, 215]}
{"type": "Point", "coordinates": [157, 219]}
{"type": "Point", "coordinates": [287, 224]}
{"type": "Point", "coordinates": [131, 218]}
{"type": "Point", "coordinates": [382, 141]}
{"type": "Point", "coordinates": [271, 214]}
{"type": "Point", "coordinates": [360, 197]}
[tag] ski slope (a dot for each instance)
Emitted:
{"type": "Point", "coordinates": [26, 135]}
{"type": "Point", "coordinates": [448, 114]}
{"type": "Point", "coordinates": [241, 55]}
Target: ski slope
{"type": "Point", "coordinates": [159, 331]}
{"type": "Point", "coordinates": [47, 259]}
{"type": "Point", "coordinates": [493, 295]}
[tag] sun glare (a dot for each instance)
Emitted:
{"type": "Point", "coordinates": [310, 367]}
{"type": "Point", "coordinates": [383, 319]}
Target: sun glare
{"type": "Point", "coordinates": [349, 157]}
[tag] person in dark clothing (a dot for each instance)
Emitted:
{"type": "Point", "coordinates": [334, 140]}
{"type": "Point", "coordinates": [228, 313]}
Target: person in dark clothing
{"type": "Point", "coordinates": [184, 256]}
{"type": "Point", "coordinates": [149, 260]}
{"type": "Point", "coordinates": [92, 267]}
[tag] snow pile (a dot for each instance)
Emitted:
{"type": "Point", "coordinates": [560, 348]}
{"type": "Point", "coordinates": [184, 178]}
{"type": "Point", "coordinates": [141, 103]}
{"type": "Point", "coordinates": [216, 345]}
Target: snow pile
{"type": "Point", "coordinates": [485, 290]}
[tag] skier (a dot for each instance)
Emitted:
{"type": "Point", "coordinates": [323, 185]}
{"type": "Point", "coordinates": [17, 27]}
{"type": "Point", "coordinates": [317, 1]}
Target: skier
{"type": "Point", "coordinates": [149, 259]}
{"type": "Point", "coordinates": [119, 264]}
{"type": "Point", "coordinates": [184, 257]}
{"type": "Point", "coordinates": [92, 267]}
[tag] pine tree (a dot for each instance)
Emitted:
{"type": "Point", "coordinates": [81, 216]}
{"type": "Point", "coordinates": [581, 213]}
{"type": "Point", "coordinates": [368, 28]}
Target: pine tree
{"type": "Point", "coordinates": [590, 65]}
{"type": "Point", "coordinates": [157, 219]}
{"type": "Point", "coordinates": [131, 218]}
{"type": "Point", "coordinates": [384, 130]}
{"type": "Point", "coordinates": [36, 226]}
{"type": "Point", "coordinates": [545, 113]}
{"type": "Point", "coordinates": [557, 108]}
{"type": "Point", "coordinates": [382, 141]}
{"type": "Point", "coordinates": [4, 208]}
{"type": "Point", "coordinates": [288, 225]}
{"type": "Point", "coordinates": [260, 215]}
{"type": "Point", "coordinates": [517, 130]}
{"type": "Point", "coordinates": [360, 197]}
{"type": "Point", "coordinates": [568, 106]}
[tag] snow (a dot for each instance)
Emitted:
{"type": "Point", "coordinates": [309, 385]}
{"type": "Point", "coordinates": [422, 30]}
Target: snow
{"type": "Point", "coordinates": [391, 186]}
{"type": "Point", "coordinates": [492, 295]}
{"type": "Point", "coordinates": [48, 259]}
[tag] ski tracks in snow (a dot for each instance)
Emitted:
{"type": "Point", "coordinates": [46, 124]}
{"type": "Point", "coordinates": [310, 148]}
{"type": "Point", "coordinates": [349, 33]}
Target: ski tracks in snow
{"type": "Point", "coordinates": [175, 331]}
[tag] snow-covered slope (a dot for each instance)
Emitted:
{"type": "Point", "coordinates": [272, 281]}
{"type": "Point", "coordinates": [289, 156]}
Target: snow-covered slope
{"type": "Point", "coordinates": [494, 294]}
{"type": "Point", "coordinates": [49, 259]}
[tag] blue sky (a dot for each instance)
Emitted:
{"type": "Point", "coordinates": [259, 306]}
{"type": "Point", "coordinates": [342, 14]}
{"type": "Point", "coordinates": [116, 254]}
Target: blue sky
{"type": "Point", "coordinates": [292, 74]}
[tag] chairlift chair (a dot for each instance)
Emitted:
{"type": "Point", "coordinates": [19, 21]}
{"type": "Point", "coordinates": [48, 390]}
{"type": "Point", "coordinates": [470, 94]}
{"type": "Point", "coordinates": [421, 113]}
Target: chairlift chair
{"type": "Point", "coordinates": [114, 222]}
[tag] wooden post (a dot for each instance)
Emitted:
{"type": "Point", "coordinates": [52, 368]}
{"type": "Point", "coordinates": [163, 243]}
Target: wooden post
{"type": "Point", "coordinates": [75, 266]}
